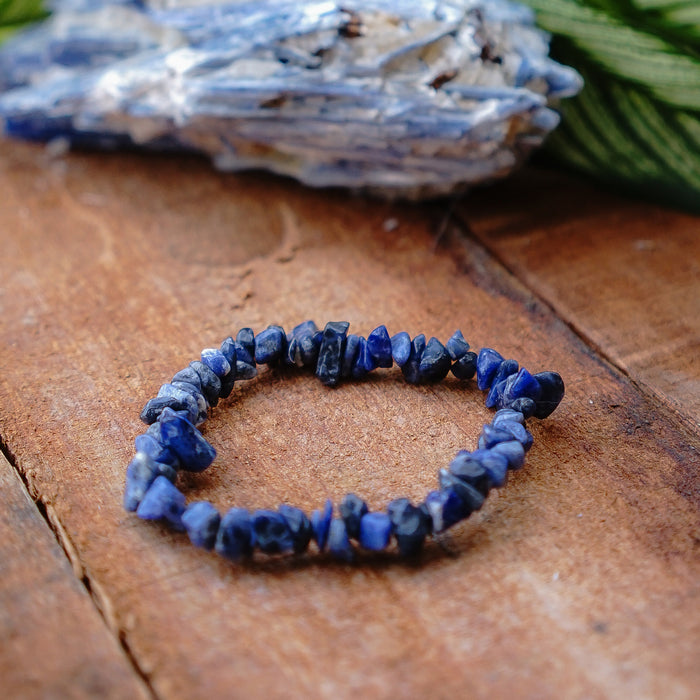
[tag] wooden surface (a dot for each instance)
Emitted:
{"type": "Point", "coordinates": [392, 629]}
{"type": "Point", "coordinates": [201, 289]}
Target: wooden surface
{"type": "Point", "coordinates": [579, 579]}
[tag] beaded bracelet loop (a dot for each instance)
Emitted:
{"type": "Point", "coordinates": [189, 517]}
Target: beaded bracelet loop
{"type": "Point", "coordinates": [172, 442]}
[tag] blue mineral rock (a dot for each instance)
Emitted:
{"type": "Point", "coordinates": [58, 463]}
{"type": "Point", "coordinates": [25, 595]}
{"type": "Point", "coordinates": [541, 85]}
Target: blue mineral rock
{"type": "Point", "coordinates": [299, 526]}
{"type": "Point", "coordinates": [235, 540]}
{"type": "Point", "coordinates": [271, 532]}
{"type": "Point", "coordinates": [339, 542]}
{"type": "Point", "coordinates": [375, 531]}
{"type": "Point", "coordinates": [379, 346]}
{"type": "Point", "coordinates": [422, 99]}
{"type": "Point", "coordinates": [201, 520]}
{"type": "Point", "coordinates": [163, 501]}
{"type": "Point", "coordinates": [194, 453]}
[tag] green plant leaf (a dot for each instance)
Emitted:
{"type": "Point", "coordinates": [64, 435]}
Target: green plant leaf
{"type": "Point", "coordinates": [636, 124]}
{"type": "Point", "coordinates": [15, 14]}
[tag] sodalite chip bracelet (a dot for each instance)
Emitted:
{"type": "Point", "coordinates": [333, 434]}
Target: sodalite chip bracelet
{"type": "Point", "coordinates": [173, 443]}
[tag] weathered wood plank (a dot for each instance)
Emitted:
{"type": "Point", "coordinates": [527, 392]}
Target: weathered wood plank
{"type": "Point", "coordinates": [576, 580]}
{"type": "Point", "coordinates": [53, 643]}
{"type": "Point", "coordinates": [625, 274]}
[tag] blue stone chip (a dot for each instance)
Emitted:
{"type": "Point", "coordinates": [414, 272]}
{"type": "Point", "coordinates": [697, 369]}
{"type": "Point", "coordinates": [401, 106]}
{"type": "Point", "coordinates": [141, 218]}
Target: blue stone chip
{"type": "Point", "coordinates": [234, 539]}
{"type": "Point", "coordinates": [375, 531]}
{"type": "Point", "coordinates": [338, 541]}
{"type": "Point", "coordinates": [163, 501]}
{"type": "Point", "coordinates": [379, 346]}
{"type": "Point", "coordinates": [201, 520]}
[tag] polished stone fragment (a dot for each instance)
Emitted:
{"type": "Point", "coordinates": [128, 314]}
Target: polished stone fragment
{"type": "Point", "coordinates": [352, 349]}
{"type": "Point", "coordinates": [518, 431]}
{"type": "Point", "coordinates": [364, 362]}
{"type": "Point", "coordinates": [193, 451]}
{"type": "Point", "coordinates": [498, 385]}
{"type": "Point", "coordinates": [339, 542]}
{"type": "Point", "coordinates": [446, 509]}
{"type": "Point", "coordinates": [457, 346]}
{"type": "Point", "coordinates": [293, 354]}
{"type": "Point", "coordinates": [375, 531]}
{"type": "Point", "coordinates": [198, 396]}
{"type": "Point", "coordinates": [245, 348]}
{"type": "Point", "coordinates": [185, 396]}
{"type": "Point", "coordinates": [216, 361]}
{"type": "Point", "coordinates": [513, 451]}
{"type": "Point", "coordinates": [150, 444]}
{"type": "Point", "coordinates": [411, 368]}
{"type": "Point", "coordinates": [525, 406]}
{"type": "Point", "coordinates": [270, 345]}
{"type": "Point", "coordinates": [379, 346]}
{"type": "Point", "coordinates": [201, 520]}
{"type": "Point", "coordinates": [299, 526]}
{"type": "Point", "coordinates": [244, 370]}
{"type": "Point", "coordinates": [330, 355]}
{"type": "Point", "coordinates": [234, 540]}
{"type": "Point", "coordinates": [465, 366]}
{"type": "Point", "coordinates": [401, 348]}
{"type": "Point", "coordinates": [154, 407]}
{"type": "Point", "coordinates": [307, 343]}
{"type": "Point", "coordinates": [521, 385]}
{"type": "Point", "coordinates": [491, 436]}
{"type": "Point", "coordinates": [142, 471]}
{"type": "Point", "coordinates": [435, 362]}
{"type": "Point", "coordinates": [495, 464]}
{"type": "Point", "coordinates": [271, 532]}
{"type": "Point", "coordinates": [411, 525]}
{"type": "Point", "coordinates": [470, 496]}
{"type": "Point", "coordinates": [228, 350]}
{"type": "Point", "coordinates": [507, 414]}
{"type": "Point", "coordinates": [211, 384]}
{"type": "Point", "coordinates": [487, 363]}
{"type": "Point", "coordinates": [320, 524]}
{"type": "Point", "coordinates": [552, 386]}
{"type": "Point", "coordinates": [470, 470]}
{"type": "Point", "coordinates": [187, 375]}
{"type": "Point", "coordinates": [163, 501]}
{"type": "Point", "coordinates": [351, 510]}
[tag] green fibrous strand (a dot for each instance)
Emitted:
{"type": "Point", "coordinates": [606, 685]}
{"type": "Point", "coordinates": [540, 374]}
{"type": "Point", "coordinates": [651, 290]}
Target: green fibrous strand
{"type": "Point", "coordinates": [636, 124]}
{"type": "Point", "coordinates": [15, 14]}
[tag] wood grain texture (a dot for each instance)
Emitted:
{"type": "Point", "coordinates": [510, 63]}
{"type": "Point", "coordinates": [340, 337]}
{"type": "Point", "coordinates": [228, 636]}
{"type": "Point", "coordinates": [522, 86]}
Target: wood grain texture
{"type": "Point", "coordinates": [577, 580]}
{"type": "Point", "coordinates": [624, 273]}
{"type": "Point", "coordinates": [53, 643]}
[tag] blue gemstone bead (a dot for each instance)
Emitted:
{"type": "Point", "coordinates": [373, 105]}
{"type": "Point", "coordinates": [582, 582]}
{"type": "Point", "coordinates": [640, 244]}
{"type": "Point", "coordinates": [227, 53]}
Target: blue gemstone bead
{"type": "Point", "coordinates": [352, 349]}
{"type": "Point", "coordinates": [201, 520]}
{"type": "Point", "coordinates": [498, 386]}
{"type": "Point", "coordinates": [234, 539]}
{"type": "Point", "coordinates": [491, 436]}
{"type": "Point", "coordinates": [154, 407]}
{"type": "Point", "coordinates": [446, 509]}
{"type": "Point", "coordinates": [513, 451]}
{"type": "Point", "coordinates": [338, 542]}
{"type": "Point", "coordinates": [487, 363]}
{"type": "Point", "coordinates": [330, 355]}
{"type": "Point", "coordinates": [457, 346]}
{"type": "Point", "coordinates": [245, 345]}
{"type": "Point", "coordinates": [351, 510]}
{"type": "Point", "coordinates": [199, 398]}
{"type": "Point", "coordinates": [215, 360]}
{"type": "Point", "coordinates": [364, 363]}
{"type": "Point", "coordinates": [471, 470]}
{"type": "Point", "coordinates": [411, 368]}
{"type": "Point", "coordinates": [299, 526]}
{"type": "Point", "coordinates": [379, 346]}
{"type": "Point", "coordinates": [470, 496]}
{"type": "Point", "coordinates": [149, 445]}
{"type": "Point", "coordinates": [375, 531]}
{"type": "Point", "coordinates": [525, 406]}
{"type": "Point", "coordinates": [193, 451]}
{"type": "Point", "coordinates": [507, 414]}
{"type": "Point", "coordinates": [183, 398]}
{"type": "Point", "coordinates": [320, 523]}
{"type": "Point", "coordinates": [517, 431]}
{"type": "Point", "coordinates": [401, 348]}
{"type": "Point", "coordinates": [552, 387]}
{"type": "Point", "coordinates": [435, 362]}
{"type": "Point", "coordinates": [521, 385]}
{"type": "Point", "coordinates": [140, 474]}
{"type": "Point", "coordinates": [465, 367]}
{"type": "Point", "coordinates": [308, 343]}
{"type": "Point", "coordinates": [495, 464]}
{"type": "Point", "coordinates": [189, 376]}
{"type": "Point", "coordinates": [211, 384]}
{"type": "Point", "coordinates": [163, 501]}
{"type": "Point", "coordinates": [228, 350]}
{"type": "Point", "coordinates": [270, 345]}
{"type": "Point", "coordinates": [411, 525]}
{"type": "Point", "coordinates": [244, 370]}
{"type": "Point", "coordinates": [271, 533]}
{"type": "Point", "coordinates": [293, 354]}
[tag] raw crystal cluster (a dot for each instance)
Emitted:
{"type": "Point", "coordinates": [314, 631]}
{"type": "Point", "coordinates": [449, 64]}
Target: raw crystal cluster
{"type": "Point", "coordinates": [404, 97]}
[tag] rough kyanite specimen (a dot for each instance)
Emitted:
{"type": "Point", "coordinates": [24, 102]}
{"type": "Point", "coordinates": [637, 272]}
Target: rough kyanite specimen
{"type": "Point", "coordinates": [404, 97]}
